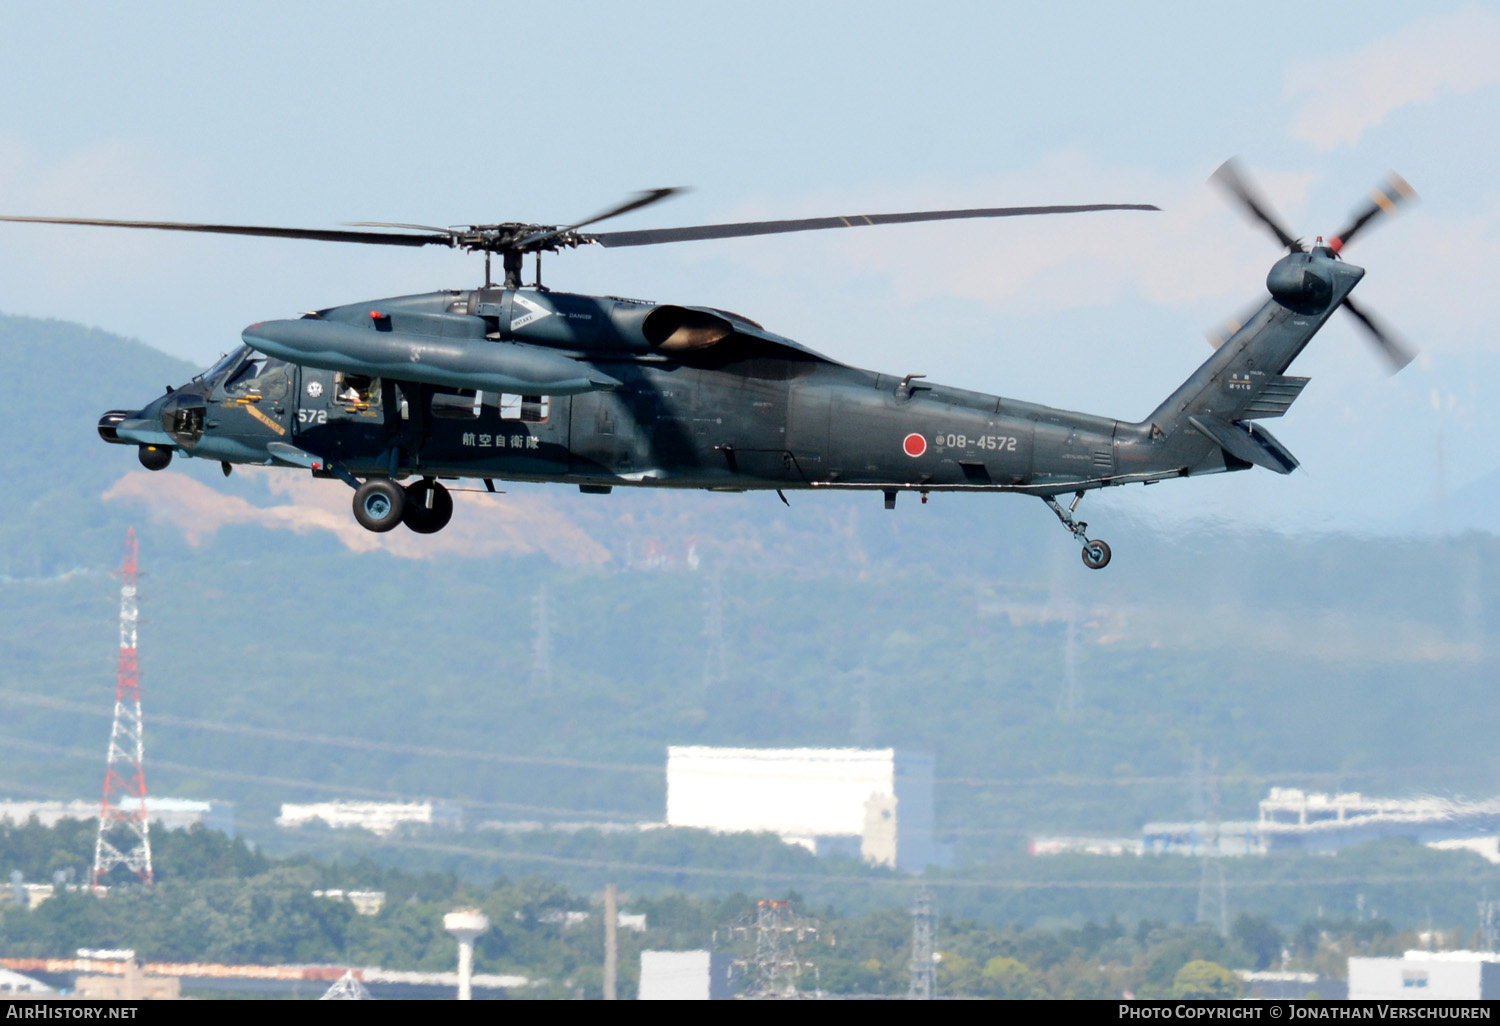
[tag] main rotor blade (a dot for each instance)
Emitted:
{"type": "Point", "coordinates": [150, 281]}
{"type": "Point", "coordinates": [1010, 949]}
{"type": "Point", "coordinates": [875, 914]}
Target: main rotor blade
{"type": "Point", "coordinates": [1384, 200]}
{"type": "Point", "coordinates": [639, 200]}
{"type": "Point", "coordinates": [655, 236]}
{"type": "Point", "coordinates": [397, 224]}
{"type": "Point", "coordinates": [1398, 354]}
{"type": "Point", "coordinates": [1229, 178]}
{"type": "Point", "coordinates": [318, 234]}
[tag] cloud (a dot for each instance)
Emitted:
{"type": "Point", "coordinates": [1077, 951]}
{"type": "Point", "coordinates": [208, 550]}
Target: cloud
{"type": "Point", "coordinates": [1343, 97]}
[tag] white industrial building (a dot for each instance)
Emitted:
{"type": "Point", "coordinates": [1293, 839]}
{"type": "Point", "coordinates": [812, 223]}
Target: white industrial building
{"type": "Point", "coordinates": [686, 976]}
{"type": "Point", "coordinates": [168, 813]}
{"type": "Point", "coordinates": [1426, 976]}
{"type": "Point", "coordinates": [825, 799]}
{"type": "Point", "coordinates": [380, 818]}
{"type": "Point", "coordinates": [13, 985]}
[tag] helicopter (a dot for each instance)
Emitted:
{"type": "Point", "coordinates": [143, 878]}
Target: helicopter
{"type": "Point", "coordinates": [507, 382]}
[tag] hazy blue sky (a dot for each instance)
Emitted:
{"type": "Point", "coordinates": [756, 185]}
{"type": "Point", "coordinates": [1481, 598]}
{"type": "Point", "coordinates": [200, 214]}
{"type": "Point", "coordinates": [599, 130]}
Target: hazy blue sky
{"type": "Point", "coordinates": [313, 114]}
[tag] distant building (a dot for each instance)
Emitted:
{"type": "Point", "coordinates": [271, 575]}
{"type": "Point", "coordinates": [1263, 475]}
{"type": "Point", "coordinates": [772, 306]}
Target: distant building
{"type": "Point", "coordinates": [1230, 837]}
{"type": "Point", "coordinates": [380, 818]}
{"type": "Point", "coordinates": [1291, 818]}
{"type": "Point", "coordinates": [1084, 846]}
{"type": "Point", "coordinates": [1280, 985]}
{"type": "Point", "coordinates": [168, 813]}
{"type": "Point", "coordinates": [825, 799]}
{"type": "Point", "coordinates": [133, 985]}
{"type": "Point", "coordinates": [686, 976]}
{"type": "Point", "coordinates": [366, 903]}
{"type": "Point", "coordinates": [14, 985]}
{"type": "Point", "coordinates": [1426, 976]}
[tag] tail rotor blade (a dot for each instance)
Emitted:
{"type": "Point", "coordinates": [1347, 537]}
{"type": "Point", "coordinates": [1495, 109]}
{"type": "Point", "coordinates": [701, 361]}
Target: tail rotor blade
{"type": "Point", "coordinates": [1384, 200]}
{"type": "Point", "coordinates": [1230, 179]}
{"type": "Point", "coordinates": [1390, 346]}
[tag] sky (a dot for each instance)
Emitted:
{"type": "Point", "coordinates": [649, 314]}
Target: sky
{"type": "Point", "coordinates": [456, 113]}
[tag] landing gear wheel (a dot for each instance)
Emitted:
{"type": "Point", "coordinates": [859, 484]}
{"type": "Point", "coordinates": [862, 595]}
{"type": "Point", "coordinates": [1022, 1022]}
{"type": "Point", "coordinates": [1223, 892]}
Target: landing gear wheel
{"type": "Point", "coordinates": [1096, 555]}
{"type": "Point", "coordinates": [378, 504]}
{"type": "Point", "coordinates": [417, 516]}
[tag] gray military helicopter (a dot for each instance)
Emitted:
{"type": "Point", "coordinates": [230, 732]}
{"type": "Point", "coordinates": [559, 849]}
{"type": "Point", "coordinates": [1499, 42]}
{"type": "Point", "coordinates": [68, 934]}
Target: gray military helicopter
{"type": "Point", "coordinates": [527, 384]}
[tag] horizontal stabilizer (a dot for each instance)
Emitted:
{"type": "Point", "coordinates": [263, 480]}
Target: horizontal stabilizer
{"type": "Point", "coordinates": [1247, 443]}
{"type": "Point", "coordinates": [1278, 394]}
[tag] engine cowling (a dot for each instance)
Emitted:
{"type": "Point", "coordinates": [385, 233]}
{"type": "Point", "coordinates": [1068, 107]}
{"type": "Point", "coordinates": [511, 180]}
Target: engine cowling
{"type": "Point", "coordinates": [681, 327]}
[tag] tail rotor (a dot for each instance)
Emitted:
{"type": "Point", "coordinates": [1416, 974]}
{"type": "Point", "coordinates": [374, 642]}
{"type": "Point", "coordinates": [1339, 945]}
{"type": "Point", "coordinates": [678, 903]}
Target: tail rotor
{"type": "Point", "coordinates": [1384, 200]}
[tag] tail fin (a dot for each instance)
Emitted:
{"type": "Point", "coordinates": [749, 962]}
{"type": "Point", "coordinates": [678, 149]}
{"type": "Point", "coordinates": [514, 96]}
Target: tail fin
{"type": "Point", "coordinates": [1206, 424]}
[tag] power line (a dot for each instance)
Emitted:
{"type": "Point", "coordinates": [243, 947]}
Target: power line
{"type": "Point", "coordinates": [562, 762]}
{"type": "Point", "coordinates": [15, 743]}
{"type": "Point", "coordinates": [338, 741]}
{"type": "Point", "coordinates": [1171, 779]}
{"type": "Point", "coordinates": [542, 858]}
{"type": "Point", "coordinates": [919, 882]}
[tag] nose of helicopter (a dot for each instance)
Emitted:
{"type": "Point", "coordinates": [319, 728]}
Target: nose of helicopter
{"type": "Point", "coordinates": [137, 427]}
{"type": "Point", "coordinates": [109, 425]}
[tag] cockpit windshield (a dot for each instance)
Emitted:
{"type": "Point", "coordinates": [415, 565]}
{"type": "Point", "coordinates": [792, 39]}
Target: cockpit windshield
{"type": "Point", "coordinates": [221, 368]}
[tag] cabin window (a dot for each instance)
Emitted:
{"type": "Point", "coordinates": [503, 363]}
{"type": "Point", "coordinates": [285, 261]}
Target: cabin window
{"type": "Point", "coordinates": [470, 404]}
{"type": "Point", "coordinates": [465, 404]}
{"type": "Point", "coordinates": [528, 409]}
{"type": "Point", "coordinates": [355, 391]}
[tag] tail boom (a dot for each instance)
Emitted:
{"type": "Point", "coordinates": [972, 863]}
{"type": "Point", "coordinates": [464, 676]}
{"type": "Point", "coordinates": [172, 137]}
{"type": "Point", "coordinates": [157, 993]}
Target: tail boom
{"type": "Point", "coordinates": [1206, 425]}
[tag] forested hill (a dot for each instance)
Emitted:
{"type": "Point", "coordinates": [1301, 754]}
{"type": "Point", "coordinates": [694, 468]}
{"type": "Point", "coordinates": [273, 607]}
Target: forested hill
{"type": "Point", "coordinates": [217, 901]}
{"type": "Point", "coordinates": [287, 655]}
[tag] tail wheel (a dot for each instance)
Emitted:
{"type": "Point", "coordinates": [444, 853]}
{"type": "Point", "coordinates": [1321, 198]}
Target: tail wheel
{"type": "Point", "coordinates": [1096, 555]}
{"type": "Point", "coordinates": [416, 514]}
{"type": "Point", "coordinates": [378, 504]}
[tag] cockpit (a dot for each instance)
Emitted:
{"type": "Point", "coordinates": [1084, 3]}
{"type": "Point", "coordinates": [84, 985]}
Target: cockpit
{"type": "Point", "coordinates": [241, 376]}
{"type": "Point", "coordinates": [223, 366]}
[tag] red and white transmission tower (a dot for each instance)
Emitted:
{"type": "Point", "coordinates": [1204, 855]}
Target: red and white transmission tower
{"type": "Point", "coordinates": [124, 809]}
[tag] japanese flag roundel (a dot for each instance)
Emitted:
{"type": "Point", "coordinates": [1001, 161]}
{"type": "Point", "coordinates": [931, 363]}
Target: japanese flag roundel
{"type": "Point", "coordinates": [914, 444]}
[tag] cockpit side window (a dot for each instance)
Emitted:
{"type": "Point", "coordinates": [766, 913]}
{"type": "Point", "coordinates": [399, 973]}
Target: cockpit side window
{"type": "Point", "coordinates": [259, 377]}
{"type": "Point", "coordinates": [225, 362]}
{"type": "Point", "coordinates": [252, 369]}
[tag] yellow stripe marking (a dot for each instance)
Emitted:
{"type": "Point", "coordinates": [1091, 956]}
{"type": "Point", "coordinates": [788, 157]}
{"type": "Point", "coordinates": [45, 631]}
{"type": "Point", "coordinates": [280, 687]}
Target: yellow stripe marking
{"type": "Point", "coordinates": [254, 411]}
